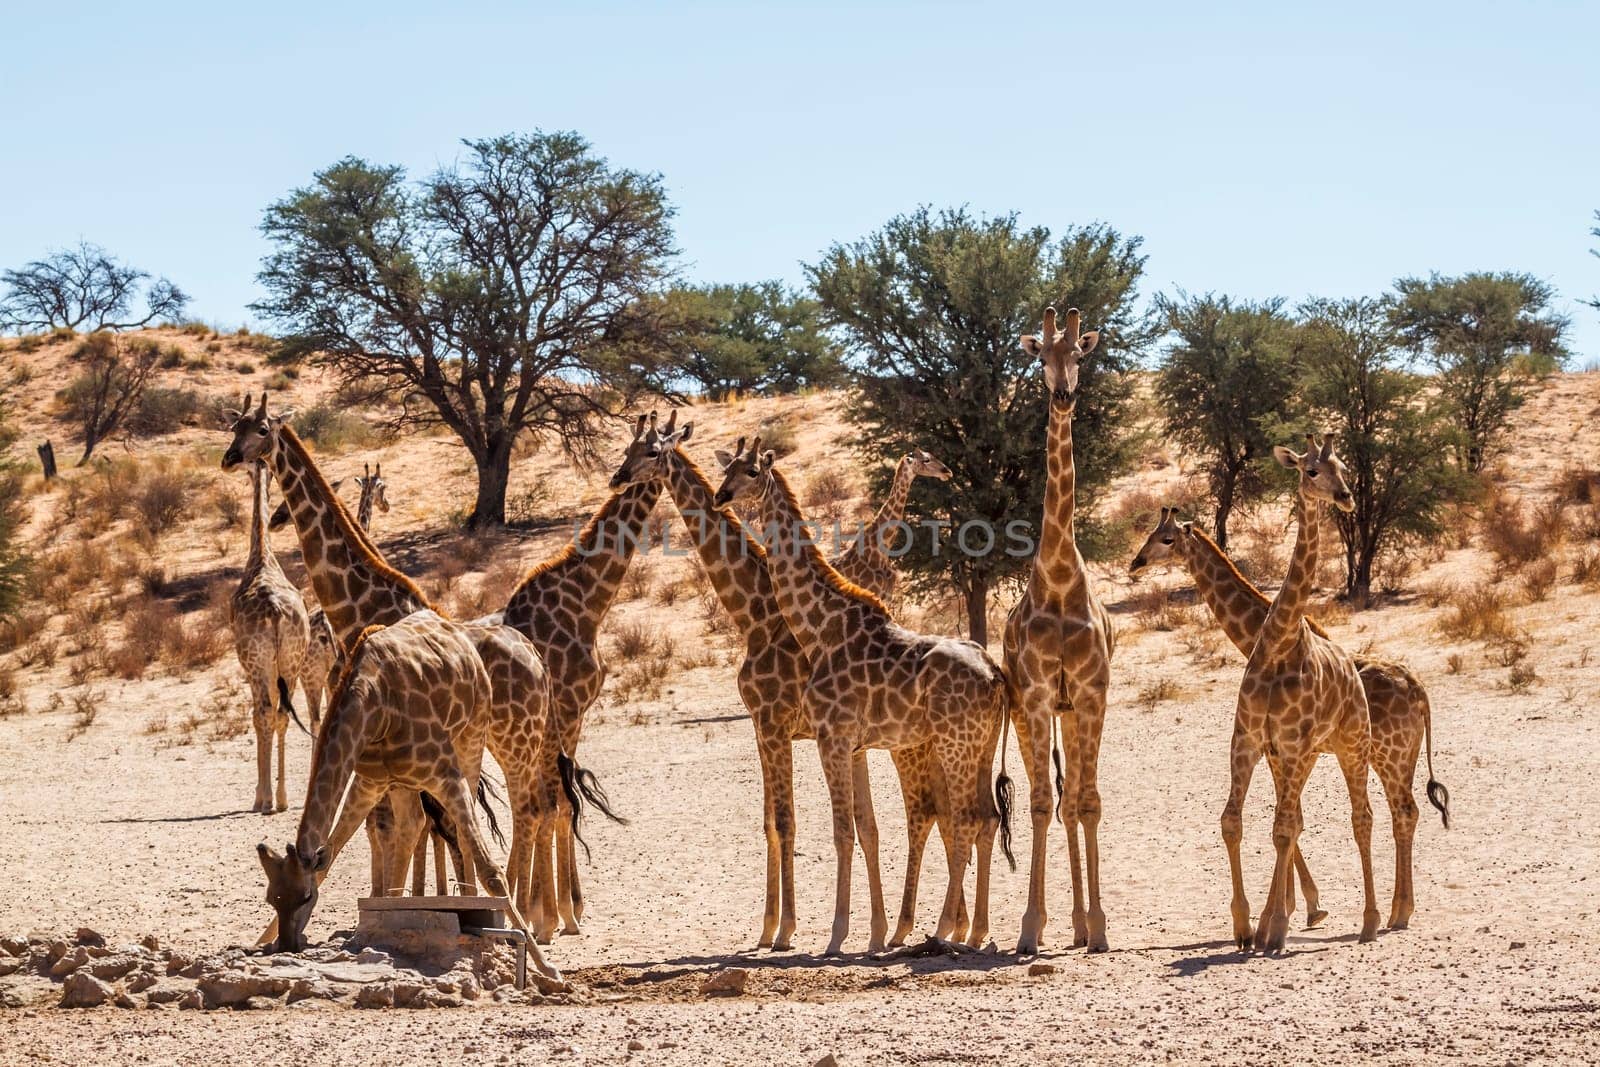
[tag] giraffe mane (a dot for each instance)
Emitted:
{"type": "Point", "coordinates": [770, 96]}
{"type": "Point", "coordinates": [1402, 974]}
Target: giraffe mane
{"type": "Point", "coordinates": [1249, 586]}
{"type": "Point", "coordinates": [836, 581]}
{"type": "Point", "coordinates": [570, 549]}
{"type": "Point", "coordinates": [348, 527]}
{"type": "Point", "coordinates": [698, 476]}
{"type": "Point", "coordinates": [336, 697]}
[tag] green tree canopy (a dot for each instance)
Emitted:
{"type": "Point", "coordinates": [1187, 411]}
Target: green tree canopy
{"type": "Point", "coordinates": [932, 307]}
{"type": "Point", "coordinates": [1228, 373]}
{"type": "Point", "coordinates": [1490, 337]}
{"type": "Point", "coordinates": [1396, 446]}
{"type": "Point", "coordinates": [476, 298]}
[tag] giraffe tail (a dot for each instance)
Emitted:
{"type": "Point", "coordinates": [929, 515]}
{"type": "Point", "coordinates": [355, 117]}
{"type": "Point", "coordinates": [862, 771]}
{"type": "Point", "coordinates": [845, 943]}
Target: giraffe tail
{"type": "Point", "coordinates": [1438, 795]}
{"type": "Point", "coordinates": [581, 786]}
{"type": "Point", "coordinates": [1004, 790]}
{"type": "Point", "coordinates": [486, 792]}
{"type": "Point", "coordinates": [288, 705]}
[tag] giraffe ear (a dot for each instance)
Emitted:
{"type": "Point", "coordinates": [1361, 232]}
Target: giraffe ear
{"type": "Point", "coordinates": [767, 459]}
{"type": "Point", "coordinates": [282, 417]}
{"type": "Point", "coordinates": [687, 431]}
{"type": "Point", "coordinates": [1287, 456]}
{"type": "Point", "coordinates": [230, 416]}
{"type": "Point", "coordinates": [320, 861]}
{"type": "Point", "coordinates": [1087, 341]}
{"type": "Point", "coordinates": [1031, 344]}
{"type": "Point", "coordinates": [271, 862]}
{"type": "Point", "coordinates": [724, 458]}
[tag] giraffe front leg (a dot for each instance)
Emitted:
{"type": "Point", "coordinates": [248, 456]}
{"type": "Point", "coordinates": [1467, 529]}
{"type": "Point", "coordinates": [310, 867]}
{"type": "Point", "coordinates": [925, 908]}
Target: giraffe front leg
{"type": "Point", "coordinates": [783, 816]}
{"type": "Point", "coordinates": [281, 727]}
{"type": "Point", "coordinates": [1031, 714]}
{"type": "Point", "coordinates": [1314, 914]}
{"type": "Point", "coordinates": [1290, 772]}
{"type": "Point", "coordinates": [772, 899]}
{"type": "Point", "coordinates": [867, 836]}
{"type": "Point", "coordinates": [1242, 759]}
{"type": "Point", "coordinates": [837, 769]}
{"type": "Point", "coordinates": [261, 720]}
{"type": "Point", "coordinates": [1067, 808]}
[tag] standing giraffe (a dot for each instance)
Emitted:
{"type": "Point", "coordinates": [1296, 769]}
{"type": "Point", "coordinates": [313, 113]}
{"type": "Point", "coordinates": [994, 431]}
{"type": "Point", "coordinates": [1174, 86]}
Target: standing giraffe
{"type": "Point", "coordinates": [322, 655]}
{"type": "Point", "coordinates": [410, 711]}
{"type": "Point", "coordinates": [1058, 645]}
{"type": "Point", "coordinates": [358, 588]}
{"type": "Point", "coordinates": [270, 633]}
{"type": "Point", "coordinates": [874, 684]}
{"type": "Point", "coordinates": [771, 679]}
{"type": "Point", "coordinates": [1396, 701]}
{"type": "Point", "coordinates": [1301, 694]}
{"type": "Point", "coordinates": [559, 605]}
{"type": "Point", "coordinates": [867, 562]}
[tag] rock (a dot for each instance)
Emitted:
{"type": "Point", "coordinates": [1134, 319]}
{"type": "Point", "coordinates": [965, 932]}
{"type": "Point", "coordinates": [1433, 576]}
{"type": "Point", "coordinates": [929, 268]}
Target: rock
{"type": "Point", "coordinates": [405, 991]}
{"type": "Point", "coordinates": [728, 982]}
{"type": "Point", "coordinates": [69, 962]}
{"type": "Point", "coordinates": [10, 965]}
{"type": "Point", "coordinates": [10, 998]}
{"type": "Point", "coordinates": [190, 1000]}
{"type": "Point", "coordinates": [88, 936]}
{"type": "Point", "coordinates": [151, 942]}
{"type": "Point", "coordinates": [433, 998]}
{"type": "Point", "coordinates": [84, 991]}
{"type": "Point", "coordinates": [635, 1045]}
{"type": "Point", "coordinates": [127, 1000]}
{"type": "Point", "coordinates": [1519, 944]}
{"type": "Point", "coordinates": [232, 988]}
{"type": "Point", "coordinates": [309, 989]}
{"type": "Point", "coordinates": [257, 1004]}
{"type": "Point", "coordinates": [111, 968]}
{"type": "Point", "coordinates": [14, 945]}
{"type": "Point", "coordinates": [826, 1061]}
{"type": "Point", "coordinates": [55, 949]}
{"type": "Point", "coordinates": [372, 955]}
{"type": "Point", "coordinates": [141, 981]}
{"type": "Point", "coordinates": [177, 963]}
{"type": "Point", "coordinates": [1037, 969]}
{"type": "Point", "coordinates": [375, 996]}
{"type": "Point", "coordinates": [168, 994]}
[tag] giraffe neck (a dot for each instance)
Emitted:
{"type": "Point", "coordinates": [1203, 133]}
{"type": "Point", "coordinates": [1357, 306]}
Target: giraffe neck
{"type": "Point", "coordinates": [355, 585]}
{"type": "Point", "coordinates": [1282, 626]}
{"type": "Point", "coordinates": [820, 606]}
{"type": "Point", "coordinates": [350, 720]}
{"type": "Point", "coordinates": [261, 557]}
{"type": "Point", "coordinates": [364, 508]}
{"type": "Point", "coordinates": [732, 558]}
{"type": "Point", "coordinates": [1057, 566]}
{"type": "Point", "coordinates": [884, 530]}
{"type": "Point", "coordinates": [1238, 606]}
{"type": "Point", "coordinates": [594, 564]}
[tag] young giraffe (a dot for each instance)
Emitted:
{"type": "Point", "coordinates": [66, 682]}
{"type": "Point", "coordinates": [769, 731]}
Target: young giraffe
{"type": "Point", "coordinates": [867, 562]}
{"type": "Point", "coordinates": [1301, 694]}
{"type": "Point", "coordinates": [1058, 645]}
{"type": "Point", "coordinates": [270, 633]}
{"type": "Point", "coordinates": [358, 588]}
{"type": "Point", "coordinates": [322, 655]}
{"type": "Point", "coordinates": [874, 684]}
{"type": "Point", "coordinates": [410, 711]}
{"type": "Point", "coordinates": [1397, 703]}
{"type": "Point", "coordinates": [771, 680]}
{"type": "Point", "coordinates": [559, 606]}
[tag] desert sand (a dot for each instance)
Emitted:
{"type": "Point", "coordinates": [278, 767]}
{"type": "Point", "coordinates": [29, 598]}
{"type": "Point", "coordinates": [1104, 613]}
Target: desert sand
{"type": "Point", "coordinates": [134, 823]}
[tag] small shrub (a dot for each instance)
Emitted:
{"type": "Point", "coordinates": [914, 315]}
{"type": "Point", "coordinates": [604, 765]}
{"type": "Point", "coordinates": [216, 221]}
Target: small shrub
{"type": "Point", "coordinates": [1586, 568]}
{"type": "Point", "coordinates": [333, 428]}
{"type": "Point", "coordinates": [1453, 663]}
{"type": "Point", "coordinates": [85, 709]}
{"type": "Point", "coordinates": [162, 499]}
{"type": "Point", "coordinates": [1521, 678]}
{"type": "Point", "coordinates": [826, 488]}
{"type": "Point", "coordinates": [633, 640]}
{"type": "Point", "coordinates": [638, 581]}
{"type": "Point", "coordinates": [1539, 578]}
{"type": "Point", "coordinates": [1578, 485]}
{"type": "Point", "coordinates": [778, 434]}
{"type": "Point", "coordinates": [163, 411]}
{"type": "Point", "coordinates": [1516, 537]}
{"type": "Point", "coordinates": [1476, 613]}
{"type": "Point", "coordinates": [1156, 692]}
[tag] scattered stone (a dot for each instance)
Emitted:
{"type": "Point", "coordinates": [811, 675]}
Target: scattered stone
{"type": "Point", "coordinates": [169, 994]}
{"type": "Point", "coordinates": [111, 968]}
{"type": "Point", "coordinates": [89, 936]}
{"type": "Point", "coordinates": [1518, 944]}
{"type": "Point", "coordinates": [10, 965]}
{"type": "Point", "coordinates": [191, 1000]}
{"type": "Point", "coordinates": [55, 949]}
{"type": "Point", "coordinates": [309, 989]}
{"type": "Point", "coordinates": [142, 981]}
{"type": "Point", "coordinates": [728, 982]}
{"type": "Point", "coordinates": [84, 991]}
{"type": "Point", "coordinates": [375, 996]}
{"type": "Point", "coordinates": [257, 1004]}
{"type": "Point", "coordinates": [178, 962]}
{"type": "Point", "coordinates": [372, 955]}
{"type": "Point", "coordinates": [69, 962]}
{"type": "Point", "coordinates": [405, 991]}
{"type": "Point", "coordinates": [126, 1000]}
{"type": "Point", "coordinates": [1037, 969]}
{"type": "Point", "coordinates": [10, 998]}
{"type": "Point", "coordinates": [151, 942]}
{"type": "Point", "coordinates": [432, 998]}
{"type": "Point", "coordinates": [229, 989]}
{"type": "Point", "coordinates": [826, 1061]}
{"type": "Point", "coordinates": [14, 945]}
{"type": "Point", "coordinates": [635, 1045]}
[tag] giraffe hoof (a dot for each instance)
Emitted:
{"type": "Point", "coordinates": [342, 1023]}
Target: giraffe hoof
{"type": "Point", "coordinates": [1315, 917]}
{"type": "Point", "coordinates": [1097, 946]}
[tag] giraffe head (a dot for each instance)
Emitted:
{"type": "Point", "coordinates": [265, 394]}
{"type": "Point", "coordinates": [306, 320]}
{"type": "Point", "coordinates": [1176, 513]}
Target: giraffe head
{"type": "Point", "coordinates": [923, 465]}
{"type": "Point", "coordinates": [1321, 472]}
{"type": "Point", "coordinates": [292, 880]}
{"type": "Point", "coordinates": [372, 482]}
{"type": "Point", "coordinates": [255, 433]}
{"type": "Point", "coordinates": [1061, 351]}
{"type": "Point", "coordinates": [646, 457]}
{"type": "Point", "coordinates": [1161, 543]}
{"type": "Point", "coordinates": [744, 471]}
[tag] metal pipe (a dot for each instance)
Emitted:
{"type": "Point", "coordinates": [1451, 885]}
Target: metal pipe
{"type": "Point", "coordinates": [501, 933]}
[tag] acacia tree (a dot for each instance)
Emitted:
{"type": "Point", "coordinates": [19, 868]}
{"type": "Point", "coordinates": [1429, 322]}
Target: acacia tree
{"type": "Point", "coordinates": [1227, 375]}
{"type": "Point", "coordinates": [1490, 337]}
{"type": "Point", "coordinates": [1396, 446]}
{"type": "Point", "coordinates": [932, 307]}
{"type": "Point", "coordinates": [84, 288]}
{"type": "Point", "coordinates": [477, 298]}
{"type": "Point", "coordinates": [728, 340]}
{"type": "Point", "coordinates": [109, 387]}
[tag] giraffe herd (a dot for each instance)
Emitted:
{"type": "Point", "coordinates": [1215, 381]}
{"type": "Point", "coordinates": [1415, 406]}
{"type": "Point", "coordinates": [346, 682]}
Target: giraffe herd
{"type": "Point", "coordinates": [415, 698]}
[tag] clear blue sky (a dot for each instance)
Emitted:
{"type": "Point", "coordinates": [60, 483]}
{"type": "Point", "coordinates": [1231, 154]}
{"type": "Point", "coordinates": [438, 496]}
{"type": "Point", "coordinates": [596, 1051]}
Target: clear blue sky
{"type": "Point", "coordinates": [1261, 150]}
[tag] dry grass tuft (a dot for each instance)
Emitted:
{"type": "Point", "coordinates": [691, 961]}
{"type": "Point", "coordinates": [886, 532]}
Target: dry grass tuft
{"type": "Point", "coordinates": [1477, 613]}
{"type": "Point", "coordinates": [1516, 536]}
{"type": "Point", "coordinates": [1157, 692]}
{"type": "Point", "coordinates": [85, 709]}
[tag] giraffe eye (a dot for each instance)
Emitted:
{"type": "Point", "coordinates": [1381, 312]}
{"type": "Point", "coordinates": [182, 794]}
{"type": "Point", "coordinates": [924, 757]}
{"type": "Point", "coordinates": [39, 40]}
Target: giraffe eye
{"type": "Point", "coordinates": [1311, 473]}
{"type": "Point", "coordinates": [262, 431]}
{"type": "Point", "coordinates": [1166, 540]}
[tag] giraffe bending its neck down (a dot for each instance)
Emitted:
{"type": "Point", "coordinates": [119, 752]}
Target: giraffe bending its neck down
{"type": "Point", "coordinates": [1058, 645]}
{"type": "Point", "coordinates": [867, 562]}
{"type": "Point", "coordinates": [358, 588]}
{"type": "Point", "coordinates": [771, 680]}
{"type": "Point", "coordinates": [1301, 695]}
{"type": "Point", "coordinates": [1396, 701]}
{"type": "Point", "coordinates": [411, 711]}
{"type": "Point", "coordinates": [270, 634]}
{"type": "Point", "coordinates": [874, 684]}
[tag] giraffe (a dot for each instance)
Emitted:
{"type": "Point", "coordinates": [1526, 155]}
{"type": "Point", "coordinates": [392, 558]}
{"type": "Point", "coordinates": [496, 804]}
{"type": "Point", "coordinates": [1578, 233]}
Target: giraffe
{"type": "Point", "coordinates": [1396, 701]}
{"type": "Point", "coordinates": [874, 684]}
{"type": "Point", "coordinates": [411, 710]}
{"type": "Point", "coordinates": [270, 633]}
{"type": "Point", "coordinates": [771, 679]}
{"type": "Point", "coordinates": [867, 562]}
{"type": "Point", "coordinates": [358, 588]}
{"type": "Point", "coordinates": [1300, 694]}
{"type": "Point", "coordinates": [559, 605]}
{"type": "Point", "coordinates": [1058, 646]}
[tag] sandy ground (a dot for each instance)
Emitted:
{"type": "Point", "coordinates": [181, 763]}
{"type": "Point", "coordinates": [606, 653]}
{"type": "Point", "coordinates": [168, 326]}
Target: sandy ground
{"type": "Point", "coordinates": [127, 830]}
